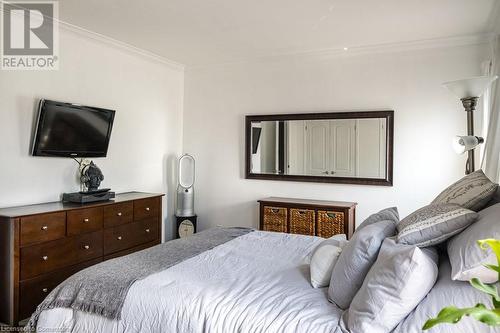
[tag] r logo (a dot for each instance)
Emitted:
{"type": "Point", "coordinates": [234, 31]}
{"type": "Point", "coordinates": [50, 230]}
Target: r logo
{"type": "Point", "coordinates": [28, 29]}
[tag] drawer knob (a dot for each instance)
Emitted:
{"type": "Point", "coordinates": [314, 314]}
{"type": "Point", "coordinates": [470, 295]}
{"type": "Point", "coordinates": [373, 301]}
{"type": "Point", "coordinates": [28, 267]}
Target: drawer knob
{"type": "Point", "coordinates": [147, 230]}
{"type": "Point", "coordinates": [45, 258]}
{"type": "Point", "coordinates": [275, 210]}
{"type": "Point", "coordinates": [119, 237]}
{"type": "Point", "coordinates": [86, 220]}
{"type": "Point", "coordinates": [45, 227]}
{"type": "Point", "coordinates": [119, 214]}
{"type": "Point", "coordinates": [45, 290]}
{"type": "Point", "coordinates": [86, 247]}
{"type": "Point", "coordinates": [147, 209]}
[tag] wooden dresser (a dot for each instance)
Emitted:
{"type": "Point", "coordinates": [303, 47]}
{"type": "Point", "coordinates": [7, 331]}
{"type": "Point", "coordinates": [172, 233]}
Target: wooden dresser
{"type": "Point", "coordinates": [42, 245]}
{"type": "Point", "coordinates": [307, 217]}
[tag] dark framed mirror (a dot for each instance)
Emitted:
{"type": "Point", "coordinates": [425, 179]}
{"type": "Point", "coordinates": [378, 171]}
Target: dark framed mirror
{"type": "Point", "coordinates": [333, 147]}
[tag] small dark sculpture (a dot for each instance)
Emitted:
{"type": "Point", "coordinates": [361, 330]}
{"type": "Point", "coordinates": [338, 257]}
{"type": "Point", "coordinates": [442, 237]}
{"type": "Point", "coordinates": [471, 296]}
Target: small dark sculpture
{"type": "Point", "coordinates": [92, 177]}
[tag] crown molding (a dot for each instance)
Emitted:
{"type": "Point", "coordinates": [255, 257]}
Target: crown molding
{"type": "Point", "coordinates": [448, 42]}
{"type": "Point", "coordinates": [108, 40]}
{"type": "Point", "coordinates": [121, 45]}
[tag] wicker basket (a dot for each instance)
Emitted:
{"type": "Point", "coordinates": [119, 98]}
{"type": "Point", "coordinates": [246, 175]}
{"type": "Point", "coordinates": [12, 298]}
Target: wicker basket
{"type": "Point", "coordinates": [302, 221]}
{"type": "Point", "coordinates": [275, 219]}
{"type": "Point", "coordinates": [330, 223]}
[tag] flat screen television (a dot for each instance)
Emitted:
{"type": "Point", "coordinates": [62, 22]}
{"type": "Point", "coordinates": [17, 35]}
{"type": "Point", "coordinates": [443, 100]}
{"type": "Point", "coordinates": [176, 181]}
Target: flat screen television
{"type": "Point", "coordinates": [72, 130]}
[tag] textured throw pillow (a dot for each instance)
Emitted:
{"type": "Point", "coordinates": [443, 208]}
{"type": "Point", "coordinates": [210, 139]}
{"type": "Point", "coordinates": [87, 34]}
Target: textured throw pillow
{"type": "Point", "coordinates": [323, 259]}
{"type": "Point", "coordinates": [400, 278]}
{"type": "Point", "coordinates": [356, 259]}
{"type": "Point", "coordinates": [494, 200]}
{"type": "Point", "coordinates": [433, 224]}
{"type": "Point", "coordinates": [388, 214]}
{"type": "Point", "coordinates": [466, 257]}
{"type": "Point", "coordinates": [473, 191]}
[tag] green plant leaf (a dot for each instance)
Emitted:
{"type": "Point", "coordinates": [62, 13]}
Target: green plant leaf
{"type": "Point", "coordinates": [493, 267]}
{"type": "Point", "coordinates": [489, 289]}
{"type": "Point", "coordinates": [452, 315]}
{"type": "Point", "coordinates": [494, 244]}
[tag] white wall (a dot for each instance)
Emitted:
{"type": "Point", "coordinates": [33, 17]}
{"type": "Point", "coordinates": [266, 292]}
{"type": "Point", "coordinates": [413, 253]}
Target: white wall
{"type": "Point", "coordinates": [426, 117]}
{"type": "Point", "coordinates": [147, 134]}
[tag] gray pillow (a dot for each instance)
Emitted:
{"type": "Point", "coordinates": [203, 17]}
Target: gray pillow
{"type": "Point", "coordinates": [390, 214]}
{"type": "Point", "coordinates": [466, 257]}
{"type": "Point", "coordinates": [433, 224]}
{"type": "Point", "coordinates": [400, 278]}
{"type": "Point", "coordinates": [473, 191]}
{"type": "Point", "coordinates": [494, 200]}
{"type": "Point", "coordinates": [357, 256]}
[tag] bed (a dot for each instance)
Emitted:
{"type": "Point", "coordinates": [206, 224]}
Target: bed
{"type": "Point", "coordinates": [258, 282]}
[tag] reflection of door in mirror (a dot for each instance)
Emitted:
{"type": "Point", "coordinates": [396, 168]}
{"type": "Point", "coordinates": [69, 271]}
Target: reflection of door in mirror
{"type": "Point", "coordinates": [330, 148]}
{"type": "Point", "coordinates": [337, 148]}
{"type": "Point", "coordinates": [326, 147]}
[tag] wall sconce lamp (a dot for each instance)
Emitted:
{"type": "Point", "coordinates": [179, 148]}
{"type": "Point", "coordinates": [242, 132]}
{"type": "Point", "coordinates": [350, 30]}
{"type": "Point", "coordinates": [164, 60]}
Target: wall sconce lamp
{"type": "Point", "coordinates": [461, 144]}
{"type": "Point", "coordinates": [469, 90]}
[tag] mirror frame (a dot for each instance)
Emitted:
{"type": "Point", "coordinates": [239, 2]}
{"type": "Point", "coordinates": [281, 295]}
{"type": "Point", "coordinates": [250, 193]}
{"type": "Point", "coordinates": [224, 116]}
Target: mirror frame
{"type": "Point", "coordinates": [387, 114]}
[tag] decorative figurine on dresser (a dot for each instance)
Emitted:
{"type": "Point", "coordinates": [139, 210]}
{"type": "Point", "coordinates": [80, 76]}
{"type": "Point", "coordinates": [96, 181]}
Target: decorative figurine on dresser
{"type": "Point", "coordinates": [185, 215]}
{"type": "Point", "coordinates": [307, 217]}
{"type": "Point", "coordinates": [91, 177]}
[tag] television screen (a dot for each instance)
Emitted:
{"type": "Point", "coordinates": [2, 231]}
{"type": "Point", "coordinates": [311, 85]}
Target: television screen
{"type": "Point", "coordinates": [71, 130]}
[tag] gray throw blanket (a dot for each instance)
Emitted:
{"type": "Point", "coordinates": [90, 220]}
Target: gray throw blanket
{"type": "Point", "coordinates": [101, 289]}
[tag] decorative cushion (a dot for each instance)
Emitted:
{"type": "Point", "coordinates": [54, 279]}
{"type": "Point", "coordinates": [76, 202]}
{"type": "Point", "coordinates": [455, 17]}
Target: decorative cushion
{"type": "Point", "coordinates": [400, 278]}
{"type": "Point", "coordinates": [473, 191]}
{"type": "Point", "coordinates": [466, 257]}
{"type": "Point", "coordinates": [357, 256]}
{"type": "Point", "coordinates": [494, 200]}
{"type": "Point", "coordinates": [433, 224]}
{"type": "Point", "coordinates": [323, 258]}
{"type": "Point", "coordinates": [390, 214]}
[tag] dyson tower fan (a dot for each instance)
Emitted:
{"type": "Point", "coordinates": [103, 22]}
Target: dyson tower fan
{"type": "Point", "coordinates": [186, 218]}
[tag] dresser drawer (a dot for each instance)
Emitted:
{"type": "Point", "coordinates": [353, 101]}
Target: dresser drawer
{"type": "Point", "coordinates": [46, 257]}
{"type": "Point", "coordinates": [130, 235]}
{"type": "Point", "coordinates": [118, 214]}
{"type": "Point", "coordinates": [302, 221]}
{"type": "Point", "coordinates": [330, 223]}
{"type": "Point", "coordinates": [146, 208]}
{"type": "Point", "coordinates": [275, 219]}
{"type": "Point", "coordinates": [84, 220]}
{"type": "Point", "coordinates": [33, 291]}
{"type": "Point", "coordinates": [42, 228]}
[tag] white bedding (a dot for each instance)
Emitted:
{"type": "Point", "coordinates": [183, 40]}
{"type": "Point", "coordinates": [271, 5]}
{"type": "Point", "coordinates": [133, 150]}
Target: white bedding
{"type": "Point", "coordinates": [258, 282]}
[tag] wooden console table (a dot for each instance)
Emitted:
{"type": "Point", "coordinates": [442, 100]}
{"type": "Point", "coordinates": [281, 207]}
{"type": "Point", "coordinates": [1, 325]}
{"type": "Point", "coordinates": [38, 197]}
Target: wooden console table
{"type": "Point", "coordinates": [42, 245]}
{"type": "Point", "coordinates": [307, 217]}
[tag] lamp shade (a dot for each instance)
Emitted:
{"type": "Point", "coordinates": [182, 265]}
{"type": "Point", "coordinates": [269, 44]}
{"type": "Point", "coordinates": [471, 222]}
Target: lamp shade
{"type": "Point", "coordinates": [461, 144]}
{"type": "Point", "coordinates": [471, 87]}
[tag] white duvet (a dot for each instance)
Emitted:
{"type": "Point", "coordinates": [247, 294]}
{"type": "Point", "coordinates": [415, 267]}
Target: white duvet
{"type": "Point", "coordinates": [258, 282]}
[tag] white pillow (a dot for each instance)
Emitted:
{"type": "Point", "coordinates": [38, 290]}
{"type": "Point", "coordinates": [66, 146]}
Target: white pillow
{"type": "Point", "coordinates": [400, 278]}
{"type": "Point", "coordinates": [323, 258]}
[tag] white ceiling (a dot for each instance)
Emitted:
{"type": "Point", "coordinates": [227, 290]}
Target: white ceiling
{"type": "Point", "coordinates": [212, 31]}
